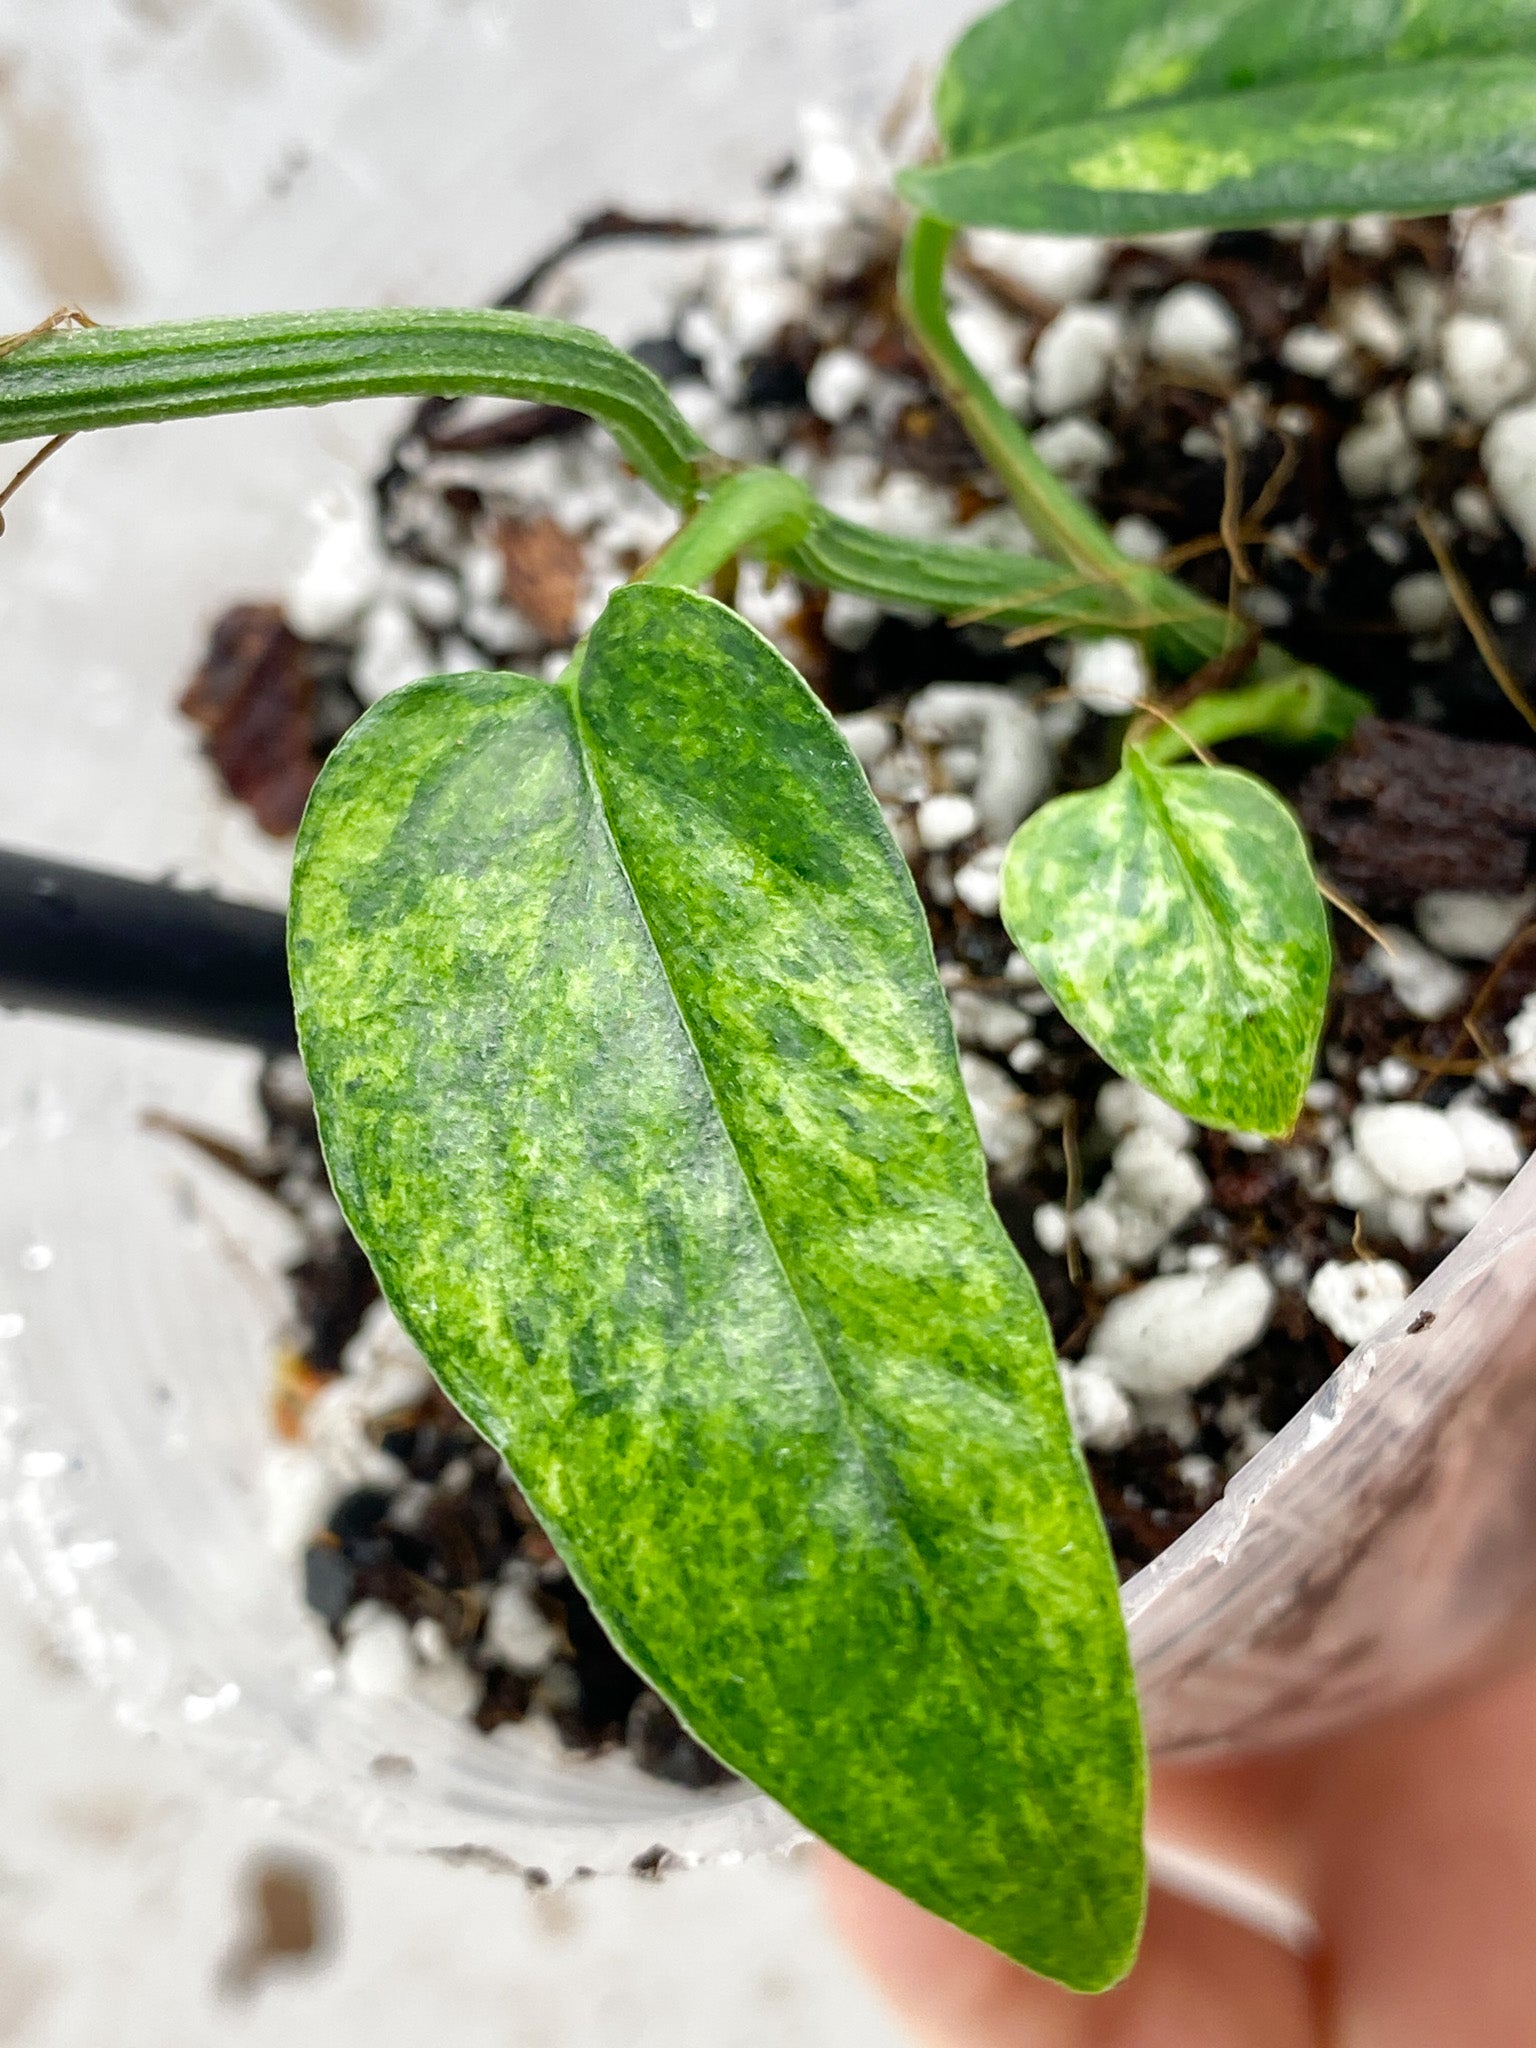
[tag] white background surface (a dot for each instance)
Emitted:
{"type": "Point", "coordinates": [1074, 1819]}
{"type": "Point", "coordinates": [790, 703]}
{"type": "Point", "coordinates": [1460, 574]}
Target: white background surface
{"type": "Point", "coordinates": [159, 156]}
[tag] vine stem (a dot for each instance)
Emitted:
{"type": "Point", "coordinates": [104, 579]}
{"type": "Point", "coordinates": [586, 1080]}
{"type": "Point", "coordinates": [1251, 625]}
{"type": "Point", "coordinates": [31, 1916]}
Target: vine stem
{"type": "Point", "coordinates": [1190, 631]}
{"type": "Point", "coordinates": [765, 510]}
{"type": "Point", "coordinates": [1057, 517]}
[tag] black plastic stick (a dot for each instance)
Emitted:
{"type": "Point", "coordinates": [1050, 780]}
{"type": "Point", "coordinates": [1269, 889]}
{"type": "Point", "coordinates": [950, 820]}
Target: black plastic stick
{"type": "Point", "coordinates": [87, 944]}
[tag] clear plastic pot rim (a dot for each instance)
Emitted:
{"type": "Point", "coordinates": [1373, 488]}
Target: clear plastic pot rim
{"type": "Point", "coordinates": [1380, 1545]}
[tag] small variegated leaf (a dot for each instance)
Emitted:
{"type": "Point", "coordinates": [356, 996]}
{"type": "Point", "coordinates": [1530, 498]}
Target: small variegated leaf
{"type": "Point", "coordinates": [1174, 917]}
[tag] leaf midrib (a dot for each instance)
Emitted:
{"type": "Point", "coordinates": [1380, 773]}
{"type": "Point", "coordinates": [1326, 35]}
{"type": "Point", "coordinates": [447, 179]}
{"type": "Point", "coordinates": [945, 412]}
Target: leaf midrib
{"type": "Point", "coordinates": [921, 1572]}
{"type": "Point", "coordinates": [1145, 781]}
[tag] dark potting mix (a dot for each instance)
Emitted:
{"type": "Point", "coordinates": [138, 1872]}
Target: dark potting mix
{"type": "Point", "coordinates": [1325, 428]}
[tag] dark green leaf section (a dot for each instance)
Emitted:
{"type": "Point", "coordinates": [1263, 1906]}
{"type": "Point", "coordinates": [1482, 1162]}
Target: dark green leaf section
{"type": "Point", "coordinates": [1120, 117]}
{"type": "Point", "coordinates": [1173, 915]}
{"type": "Point", "coordinates": [638, 1085]}
{"type": "Point", "coordinates": [119, 376]}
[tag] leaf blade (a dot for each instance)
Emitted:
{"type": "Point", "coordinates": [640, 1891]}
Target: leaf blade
{"type": "Point", "coordinates": [1173, 916]}
{"type": "Point", "coordinates": [724, 1145]}
{"type": "Point", "coordinates": [1118, 119]}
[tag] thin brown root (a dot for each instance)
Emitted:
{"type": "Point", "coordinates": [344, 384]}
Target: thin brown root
{"type": "Point", "coordinates": [1069, 1146]}
{"type": "Point", "coordinates": [1221, 671]}
{"type": "Point", "coordinates": [1356, 916]}
{"type": "Point", "coordinates": [1232, 508]}
{"type": "Point", "coordinates": [1279, 477]}
{"type": "Point", "coordinates": [1150, 710]}
{"type": "Point", "coordinates": [30, 468]}
{"type": "Point", "coordinates": [1471, 1023]}
{"type": "Point", "coordinates": [1474, 619]}
{"type": "Point", "coordinates": [1485, 1045]}
{"type": "Point", "coordinates": [1357, 1241]}
{"type": "Point", "coordinates": [61, 316]}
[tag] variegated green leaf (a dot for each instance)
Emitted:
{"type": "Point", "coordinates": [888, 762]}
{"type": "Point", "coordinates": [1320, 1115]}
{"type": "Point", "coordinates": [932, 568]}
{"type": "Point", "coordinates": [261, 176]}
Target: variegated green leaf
{"type": "Point", "coordinates": [1173, 915]}
{"type": "Point", "coordinates": [1125, 116]}
{"type": "Point", "coordinates": [638, 1086]}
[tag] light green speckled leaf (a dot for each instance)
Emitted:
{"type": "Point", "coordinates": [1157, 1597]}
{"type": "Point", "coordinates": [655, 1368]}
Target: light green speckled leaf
{"type": "Point", "coordinates": [1120, 117]}
{"type": "Point", "coordinates": [1173, 915]}
{"type": "Point", "coordinates": [638, 1086]}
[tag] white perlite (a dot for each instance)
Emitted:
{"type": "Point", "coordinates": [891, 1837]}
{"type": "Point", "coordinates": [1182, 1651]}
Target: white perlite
{"type": "Point", "coordinates": [840, 381]}
{"type": "Point", "coordinates": [1493, 1149]}
{"type": "Point", "coordinates": [1483, 369]}
{"type": "Point", "coordinates": [516, 1632]}
{"type": "Point", "coordinates": [391, 652]}
{"type": "Point", "coordinates": [1109, 675]}
{"type": "Point", "coordinates": [994, 341]}
{"type": "Point", "coordinates": [1001, 1110]}
{"type": "Point", "coordinates": [1423, 983]}
{"type": "Point", "coordinates": [1015, 766]}
{"type": "Point", "coordinates": [344, 569]}
{"type": "Point", "coordinates": [1180, 1330]}
{"type": "Point", "coordinates": [1520, 1046]}
{"type": "Point", "coordinates": [1313, 351]}
{"type": "Point", "coordinates": [1140, 538]}
{"type": "Point", "coordinates": [1509, 458]}
{"type": "Point", "coordinates": [1193, 328]}
{"type": "Point", "coordinates": [1471, 926]}
{"type": "Point", "coordinates": [1412, 1149]}
{"type": "Point", "coordinates": [297, 1494]}
{"type": "Point", "coordinates": [1127, 1106]}
{"type": "Point", "coordinates": [1154, 1185]}
{"type": "Point", "coordinates": [943, 821]}
{"type": "Point", "coordinates": [1427, 407]}
{"type": "Point", "coordinates": [1369, 321]}
{"type": "Point", "coordinates": [1102, 1418]}
{"type": "Point", "coordinates": [1422, 603]}
{"type": "Point", "coordinates": [979, 884]}
{"type": "Point", "coordinates": [378, 1661]}
{"type": "Point", "coordinates": [1072, 359]}
{"type": "Point", "coordinates": [1078, 449]}
{"type": "Point", "coordinates": [1377, 459]}
{"type": "Point", "coordinates": [1354, 1297]}
{"type": "Point", "coordinates": [987, 1022]}
{"type": "Point", "coordinates": [1059, 267]}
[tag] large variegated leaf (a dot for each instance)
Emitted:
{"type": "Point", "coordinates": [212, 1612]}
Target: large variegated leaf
{"type": "Point", "coordinates": [1173, 915]}
{"type": "Point", "coordinates": [638, 1086]}
{"type": "Point", "coordinates": [1125, 116]}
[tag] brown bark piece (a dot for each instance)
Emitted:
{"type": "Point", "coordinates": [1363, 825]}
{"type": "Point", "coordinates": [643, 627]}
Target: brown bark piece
{"type": "Point", "coordinates": [1402, 810]}
{"type": "Point", "coordinates": [253, 697]}
{"type": "Point", "coordinates": [544, 571]}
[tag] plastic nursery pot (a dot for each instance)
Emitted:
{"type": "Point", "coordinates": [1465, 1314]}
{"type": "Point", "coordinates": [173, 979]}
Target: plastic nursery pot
{"type": "Point", "coordinates": [1384, 1543]}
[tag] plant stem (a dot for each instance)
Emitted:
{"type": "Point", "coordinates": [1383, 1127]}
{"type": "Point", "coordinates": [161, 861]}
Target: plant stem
{"type": "Point", "coordinates": [764, 510]}
{"type": "Point", "coordinates": [1057, 517]}
{"type": "Point", "coordinates": [1188, 630]}
{"type": "Point", "coordinates": [1304, 707]}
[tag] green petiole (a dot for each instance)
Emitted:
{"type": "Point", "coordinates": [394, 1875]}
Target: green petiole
{"type": "Point", "coordinates": [1301, 707]}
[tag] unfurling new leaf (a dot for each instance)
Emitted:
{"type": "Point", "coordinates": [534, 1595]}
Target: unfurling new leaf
{"type": "Point", "coordinates": [638, 1086]}
{"type": "Point", "coordinates": [1120, 117]}
{"type": "Point", "coordinates": [1173, 915]}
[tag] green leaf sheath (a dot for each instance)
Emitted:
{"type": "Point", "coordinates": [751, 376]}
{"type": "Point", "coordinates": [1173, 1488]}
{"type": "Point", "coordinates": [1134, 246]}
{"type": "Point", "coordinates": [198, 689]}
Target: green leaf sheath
{"type": "Point", "coordinates": [637, 1084]}
{"type": "Point", "coordinates": [119, 376]}
{"type": "Point", "coordinates": [1114, 117]}
{"type": "Point", "coordinates": [1173, 915]}
{"type": "Point", "coordinates": [1008, 590]}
